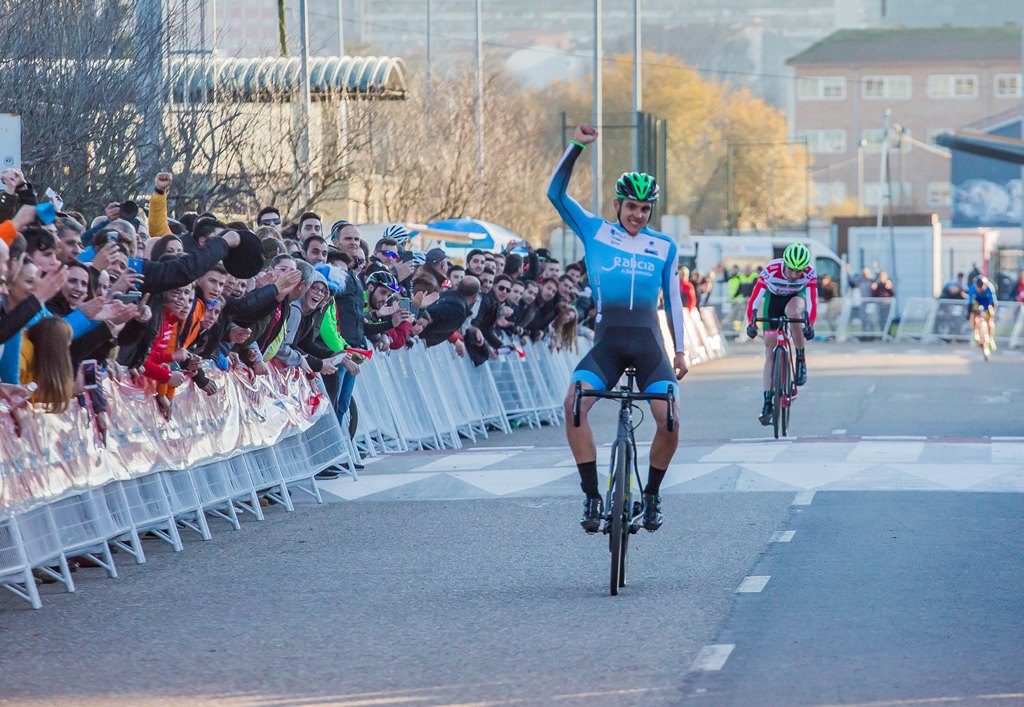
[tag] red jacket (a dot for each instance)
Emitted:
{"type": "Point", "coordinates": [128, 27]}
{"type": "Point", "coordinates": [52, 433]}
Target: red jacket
{"type": "Point", "coordinates": [688, 292]}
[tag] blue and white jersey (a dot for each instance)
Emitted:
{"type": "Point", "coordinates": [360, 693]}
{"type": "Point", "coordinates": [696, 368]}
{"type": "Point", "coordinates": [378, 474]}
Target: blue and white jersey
{"type": "Point", "coordinates": [627, 273]}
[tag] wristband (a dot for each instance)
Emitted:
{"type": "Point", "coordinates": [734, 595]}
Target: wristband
{"type": "Point", "coordinates": [158, 190]}
{"type": "Point", "coordinates": [578, 144]}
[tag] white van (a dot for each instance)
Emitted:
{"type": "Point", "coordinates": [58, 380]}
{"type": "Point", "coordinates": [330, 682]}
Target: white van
{"type": "Point", "coordinates": [706, 252]}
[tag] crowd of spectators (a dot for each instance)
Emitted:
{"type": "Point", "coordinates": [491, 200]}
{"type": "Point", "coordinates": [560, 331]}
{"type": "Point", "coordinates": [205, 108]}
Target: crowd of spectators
{"type": "Point", "coordinates": [159, 302]}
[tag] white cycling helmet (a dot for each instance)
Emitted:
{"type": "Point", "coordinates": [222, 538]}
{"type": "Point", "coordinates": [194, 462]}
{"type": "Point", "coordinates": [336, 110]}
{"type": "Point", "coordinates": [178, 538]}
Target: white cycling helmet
{"type": "Point", "coordinates": [397, 232]}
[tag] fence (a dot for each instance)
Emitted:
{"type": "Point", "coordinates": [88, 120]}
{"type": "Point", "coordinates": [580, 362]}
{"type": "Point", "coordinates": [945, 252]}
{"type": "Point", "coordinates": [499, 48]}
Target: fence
{"type": "Point", "coordinates": [63, 494]}
{"type": "Point", "coordinates": [919, 319]}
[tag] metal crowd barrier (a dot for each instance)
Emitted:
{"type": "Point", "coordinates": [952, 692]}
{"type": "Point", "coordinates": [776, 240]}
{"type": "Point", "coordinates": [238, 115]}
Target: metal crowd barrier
{"type": "Point", "coordinates": [930, 320]}
{"type": "Point", "coordinates": [922, 319]}
{"type": "Point", "coordinates": [63, 495]}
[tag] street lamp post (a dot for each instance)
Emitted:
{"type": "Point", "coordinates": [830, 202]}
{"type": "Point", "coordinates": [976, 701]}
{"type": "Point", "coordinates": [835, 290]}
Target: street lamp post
{"type": "Point", "coordinates": [479, 90]}
{"type": "Point", "coordinates": [637, 78]}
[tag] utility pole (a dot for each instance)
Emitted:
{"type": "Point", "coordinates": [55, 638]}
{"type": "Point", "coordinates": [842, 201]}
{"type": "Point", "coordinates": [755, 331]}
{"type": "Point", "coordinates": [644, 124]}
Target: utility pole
{"type": "Point", "coordinates": [150, 63]}
{"type": "Point", "coordinates": [304, 156]}
{"type": "Point", "coordinates": [598, 165]}
{"type": "Point", "coordinates": [341, 27]}
{"type": "Point", "coordinates": [429, 63]}
{"type": "Point", "coordinates": [637, 85]}
{"type": "Point", "coordinates": [479, 91]}
{"type": "Point", "coordinates": [886, 185]}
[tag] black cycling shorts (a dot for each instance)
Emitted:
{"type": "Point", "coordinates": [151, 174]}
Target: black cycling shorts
{"type": "Point", "coordinates": [774, 306]}
{"type": "Point", "coordinates": [622, 347]}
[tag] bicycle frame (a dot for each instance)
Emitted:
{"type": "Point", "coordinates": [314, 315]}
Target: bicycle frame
{"type": "Point", "coordinates": [622, 514]}
{"type": "Point", "coordinates": [779, 326]}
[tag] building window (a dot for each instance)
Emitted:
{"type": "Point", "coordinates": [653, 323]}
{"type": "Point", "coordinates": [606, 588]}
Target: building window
{"type": "Point", "coordinates": [873, 138]}
{"type": "Point", "coordinates": [874, 193]}
{"type": "Point", "coordinates": [1007, 85]}
{"type": "Point", "coordinates": [940, 194]}
{"type": "Point", "coordinates": [824, 142]}
{"type": "Point", "coordinates": [953, 86]}
{"type": "Point", "coordinates": [893, 87]}
{"type": "Point", "coordinates": [821, 88]}
{"type": "Point", "coordinates": [827, 193]}
{"type": "Point", "coordinates": [935, 132]}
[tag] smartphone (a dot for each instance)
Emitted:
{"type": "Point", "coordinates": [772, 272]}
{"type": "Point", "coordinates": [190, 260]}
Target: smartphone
{"type": "Point", "coordinates": [132, 297]}
{"type": "Point", "coordinates": [111, 236]}
{"type": "Point", "coordinates": [405, 304]}
{"type": "Point", "coordinates": [89, 374]}
{"type": "Point", "coordinates": [135, 264]}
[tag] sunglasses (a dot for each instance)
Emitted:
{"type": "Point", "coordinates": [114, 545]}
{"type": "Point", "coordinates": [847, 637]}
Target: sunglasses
{"type": "Point", "coordinates": [503, 288]}
{"type": "Point", "coordinates": [270, 222]}
{"type": "Point", "coordinates": [389, 254]}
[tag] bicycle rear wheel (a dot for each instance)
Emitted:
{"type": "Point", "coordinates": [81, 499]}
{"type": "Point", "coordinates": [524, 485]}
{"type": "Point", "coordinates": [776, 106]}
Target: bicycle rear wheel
{"type": "Point", "coordinates": [616, 536]}
{"type": "Point", "coordinates": [778, 363]}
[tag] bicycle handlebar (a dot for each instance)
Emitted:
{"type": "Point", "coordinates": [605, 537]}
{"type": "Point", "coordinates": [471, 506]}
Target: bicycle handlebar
{"type": "Point", "coordinates": [782, 320]}
{"type": "Point", "coordinates": [623, 395]}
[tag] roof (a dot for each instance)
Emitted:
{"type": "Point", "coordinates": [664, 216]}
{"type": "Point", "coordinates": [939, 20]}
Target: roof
{"type": "Point", "coordinates": [914, 45]}
{"type": "Point", "coordinates": [265, 78]}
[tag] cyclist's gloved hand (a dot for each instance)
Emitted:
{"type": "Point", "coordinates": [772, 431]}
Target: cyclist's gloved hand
{"type": "Point", "coordinates": [752, 330]}
{"type": "Point", "coordinates": [808, 332]}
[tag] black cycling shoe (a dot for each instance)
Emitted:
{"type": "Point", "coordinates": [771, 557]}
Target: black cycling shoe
{"type": "Point", "coordinates": [591, 520]}
{"type": "Point", "coordinates": [652, 512]}
{"type": "Point", "coordinates": [801, 372]}
{"type": "Point", "coordinates": [765, 418]}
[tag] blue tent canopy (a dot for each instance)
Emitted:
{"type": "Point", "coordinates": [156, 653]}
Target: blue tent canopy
{"type": "Point", "coordinates": [485, 235]}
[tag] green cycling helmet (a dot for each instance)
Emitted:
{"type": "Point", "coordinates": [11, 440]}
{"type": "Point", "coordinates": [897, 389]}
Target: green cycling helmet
{"type": "Point", "coordinates": [797, 257]}
{"type": "Point", "coordinates": [638, 186]}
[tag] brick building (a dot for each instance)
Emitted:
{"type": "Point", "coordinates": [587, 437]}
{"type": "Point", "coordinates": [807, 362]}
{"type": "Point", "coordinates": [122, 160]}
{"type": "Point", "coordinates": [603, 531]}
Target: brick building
{"type": "Point", "coordinates": [934, 79]}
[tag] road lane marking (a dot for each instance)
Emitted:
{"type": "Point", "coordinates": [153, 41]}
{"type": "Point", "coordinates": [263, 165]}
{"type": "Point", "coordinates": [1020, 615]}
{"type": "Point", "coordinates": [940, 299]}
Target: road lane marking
{"type": "Point", "coordinates": [782, 536]}
{"type": "Point", "coordinates": [1008, 439]}
{"type": "Point", "coordinates": [748, 452]}
{"type": "Point", "coordinates": [897, 438]}
{"type": "Point", "coordinates": [803, 498]}
{"type": "Point", "coordinates": [753, 584]}
{"type": "Point", "coordinates": [465, 461]}
{"type": "Point", "coordinates": [1007, 453]}
{"type": "Point", "coordinates": [712, 657]}
{"type": "Point", "coordinates": [886, 452]}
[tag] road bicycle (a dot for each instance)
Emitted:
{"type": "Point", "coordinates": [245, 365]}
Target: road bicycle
{"type": "Point", "coordinates": [623, 516]}
{"type": "Point", "coordinates": [783, 389]}
{"type": "Point", "coordinates": [983, 332]}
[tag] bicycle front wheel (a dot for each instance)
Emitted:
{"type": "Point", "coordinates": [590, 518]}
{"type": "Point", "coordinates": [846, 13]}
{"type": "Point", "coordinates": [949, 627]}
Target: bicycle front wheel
{"type": "Point", "coordinates": [779, 362]}
{"type": "Point", "coordinates": [616, 542]}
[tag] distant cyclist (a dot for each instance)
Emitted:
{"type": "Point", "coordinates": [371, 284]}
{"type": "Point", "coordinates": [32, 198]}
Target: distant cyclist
{"type": "Point", "coordinates": [629, 266]}
{"type": "Point", "coordinates": [788, 286]}
{"type": "Point", "coordinates": [981, 304]}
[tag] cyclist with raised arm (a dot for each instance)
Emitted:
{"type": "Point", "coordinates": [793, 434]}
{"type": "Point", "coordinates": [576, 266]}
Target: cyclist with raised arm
{"type": "Point", "coordinates": [788, 286]}
{"type": "Point", "coordinates": [981, 306]}
{"type": "Point", "coordinates": [629, 266]}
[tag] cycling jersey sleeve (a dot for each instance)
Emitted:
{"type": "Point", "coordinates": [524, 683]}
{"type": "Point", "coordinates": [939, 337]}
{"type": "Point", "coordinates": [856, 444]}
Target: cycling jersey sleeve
{"type": "Point", "coordinates": [574, 215]}
{"type": "Point", "coordinates": [811, 300]}
{"type": "Point", "coordinates": [972, 293]}
{"type": "Point", "coordinates": [673, 301]}
{"type": "Point", "coordinates": [756, 296]}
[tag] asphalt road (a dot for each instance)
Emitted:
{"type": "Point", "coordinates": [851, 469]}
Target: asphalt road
{"type": "Point", "coordinates": [908, 597]}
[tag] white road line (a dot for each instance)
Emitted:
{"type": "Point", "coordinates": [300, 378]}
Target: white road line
{"type": "Point", "coordinates": [712, 657]}
{"type": "Point", "coordinates": [871, 388]}
{"type": "Point", "coordinates": [782, 536]}
{"type": "Point", "coordinates": [898, 438]}
{"type": "Point", "coordinates": [465, 461]}
{"type": "Point", "coordinates": [886, 451]}
{"type": "Point", "coordinates": [1008, 439]}
{"type": "Point", "coordinates": [803, 498]}
{"type": "Point", "coordinates": [840, 431]}
{"type": "Point", "coordinates": [753, 584]}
